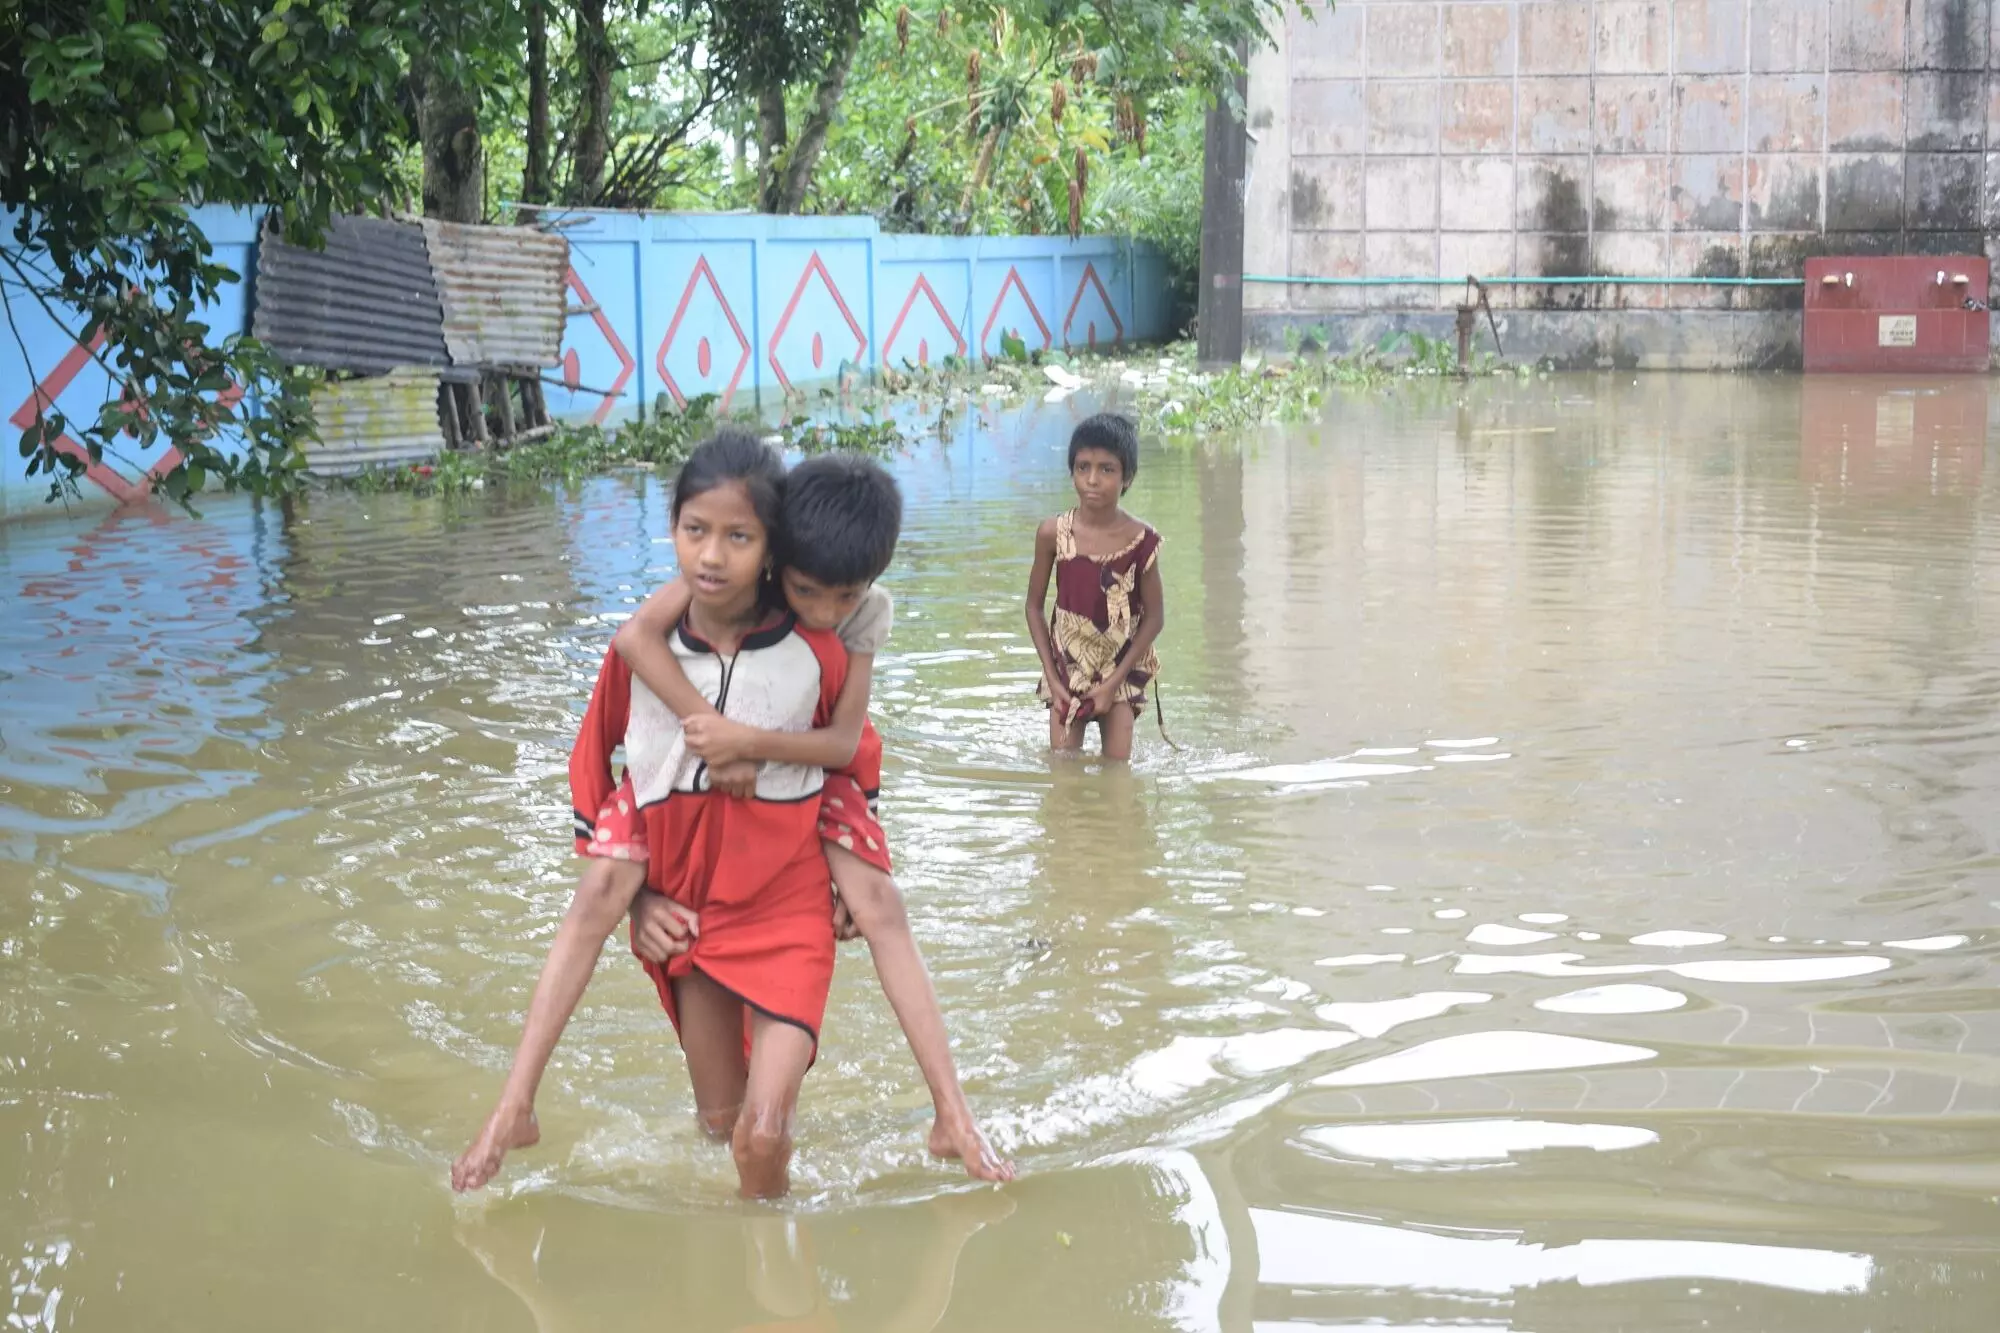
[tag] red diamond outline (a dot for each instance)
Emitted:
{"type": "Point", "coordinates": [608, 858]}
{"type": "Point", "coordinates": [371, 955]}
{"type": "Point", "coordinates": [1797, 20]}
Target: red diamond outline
{"type": "Point", "coordinates": [1090, 278]}
{"type": "Point", "coordinates": [42, 398]}
{"type": "Point", "coordinates": [702, 270]}
{"type": "Point", "coordinates": [626, 365]}
{"type": "Point", "coordinates": [814, 265]}
{"type": "Point", "coordinates": [1013, 279]}
{"type": "Point", "coordinates": [922, 284]}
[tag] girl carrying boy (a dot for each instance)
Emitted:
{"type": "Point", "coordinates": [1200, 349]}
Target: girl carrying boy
{"type": "Point", "coordinates": [743, 940]}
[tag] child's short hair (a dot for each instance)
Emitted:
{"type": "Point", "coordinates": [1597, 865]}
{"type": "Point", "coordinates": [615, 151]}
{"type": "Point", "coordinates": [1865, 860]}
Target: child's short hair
{"type": "Point", "coordinates": [1114, 433]}
{"type": "Point", "coordinates": [843, 514]}
{"type": "Point", "coordinates": [738, 456]}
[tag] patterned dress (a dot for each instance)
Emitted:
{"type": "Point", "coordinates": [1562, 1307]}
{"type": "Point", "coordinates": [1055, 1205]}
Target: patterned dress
{"type": "Point", "coordinates": [1098, 609]}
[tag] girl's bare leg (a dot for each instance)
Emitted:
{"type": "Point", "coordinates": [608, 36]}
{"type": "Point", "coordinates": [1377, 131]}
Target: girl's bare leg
{"type": "Point", "coordinates": [602, 896]}
{"type": "Point", "coordinates": [780, 1054]}
{"type": "Point", "coordinates": [1115, 732]}
{"type": "Point", "coordinates": [712, 1041]}
{"type": "Point", "coordinates": [877, 908]}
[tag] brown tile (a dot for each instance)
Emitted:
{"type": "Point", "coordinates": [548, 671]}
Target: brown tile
{"type": "Point", "coordinates": [1403, 40]}
{"type": "Point", "coordinates": [1864, 111]}
{"type": "Point", "coordinates": [1553, 115]}
{"type": "Point", "coordinates": [1943, 191]}
{"type": "Point", "coordinates": [1329, 116]}
{"type": "Point", "coordinates": [1555, 37]}
{"type": "Point", "coordinates": [1947, 112]}
{"type": "Point", "coordinates": [1476, 254]}
{"type": "Point", "coordinates": [1868, 34]}
{"type": "Point", "coordinates": [1788, 38]}
{"type": "Point", "coordinates": [1708, 114]}
{"type": "Point", "coordinates": [1694, 254]}
{"type": "Point", "coordinates": [1635, 254]}
{"type": "Point", "coordinates": [1632, 36]}
{"type": "Point", "coordinates": [1479, 117]}
{"type": "Point", "coordinates": [1552, 194]}
{"type": "Point", "coordinates": [1710, 36]}
{"type": "Point", "coordinates": [1403, 116]}
{"type": "Point", "coordinates": [1478, 40]}
{"type": "Point", "coordinates": [1783, 192]}
{"type": "Point", "coordinates": [1634, 115]}
{"type": "Point", "coordinates": [1399, 255]}
{"type": "Point", "coordinates": [1328, 44]}
{"type": "Point", "coordinates": [1325, 254]}
{"type": "Point", "coordinates": [1629, 193]}
{"type": "Point", "coordinates": [1476, 194]}
{"type": "Point", "coordinates": [1326, 194]}
{"type": "Point", "coordinates": [1707, 193]}
{"type": "Point", "coordinates": [1864, 192]}
{"type": "Point", "coordinates": [1400, 193]}
{"type": "Point", "coordinates": [1787, 113]}
{"type": "Point", "coordinates": [1949, 34]}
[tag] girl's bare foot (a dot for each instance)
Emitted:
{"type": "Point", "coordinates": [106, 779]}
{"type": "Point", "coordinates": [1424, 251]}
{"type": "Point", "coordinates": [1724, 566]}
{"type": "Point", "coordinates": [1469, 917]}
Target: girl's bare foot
{"type": "Point", "coordinates": [509, 1127]}
{"type": "Point", "coordinates": [957, 1138]}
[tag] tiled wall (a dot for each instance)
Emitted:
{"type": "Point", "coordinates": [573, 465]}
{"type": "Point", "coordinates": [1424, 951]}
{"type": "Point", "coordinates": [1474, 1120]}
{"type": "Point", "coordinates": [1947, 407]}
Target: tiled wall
{"type": "Point", "coordinates": [1632, 137]}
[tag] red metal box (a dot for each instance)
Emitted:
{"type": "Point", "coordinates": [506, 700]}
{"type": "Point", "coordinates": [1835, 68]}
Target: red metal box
{"type": "Point", "coordinates": [1908, 314]}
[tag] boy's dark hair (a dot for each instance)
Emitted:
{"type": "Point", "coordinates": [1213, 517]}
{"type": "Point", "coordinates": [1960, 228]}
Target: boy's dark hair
{"type": "Point", "coordinates": [1114, 433]}
{"type": "Point", "coordinates": [738, 456]}
{"type": "Point", "coordinates": [843, 514]}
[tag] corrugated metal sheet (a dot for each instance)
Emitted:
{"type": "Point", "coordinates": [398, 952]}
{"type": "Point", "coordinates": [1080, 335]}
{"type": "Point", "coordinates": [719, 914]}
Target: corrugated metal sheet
{"type": "Point", "coordinates": [376, 422]}
{"type": "Point", "coordinates": [503, 292]}
{"type": "Point", "coordinates": [368, 303]}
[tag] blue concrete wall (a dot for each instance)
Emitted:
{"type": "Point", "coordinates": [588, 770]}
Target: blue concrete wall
{"type": "Point", "coordinates": [736, 305]}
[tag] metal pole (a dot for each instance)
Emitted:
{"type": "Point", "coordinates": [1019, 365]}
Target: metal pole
{"type": "Point", "coordinates": [1219, 304]}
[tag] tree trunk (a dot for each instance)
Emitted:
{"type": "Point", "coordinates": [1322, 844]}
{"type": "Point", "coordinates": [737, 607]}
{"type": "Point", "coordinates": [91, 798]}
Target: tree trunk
{"type": "Point", "coordinates": [454, 156]}
{"type": "Point", "coordinates": [771, 137]}
{"type": "Point", "coordinates": [591, 144]}
{"type": "Point", "coordinates": [536, 188]}
{"type": "Point", "coordinates": [812, 138]}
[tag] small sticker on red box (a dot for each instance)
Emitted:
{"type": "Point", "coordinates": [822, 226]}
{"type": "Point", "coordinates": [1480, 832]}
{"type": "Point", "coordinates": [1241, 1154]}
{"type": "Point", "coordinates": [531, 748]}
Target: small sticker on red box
{"type": "Point", "coordinates": [1896, 331]}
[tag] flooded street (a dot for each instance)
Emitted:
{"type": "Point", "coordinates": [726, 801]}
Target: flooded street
{"type": "Point", "coordinates": [1573, 906]}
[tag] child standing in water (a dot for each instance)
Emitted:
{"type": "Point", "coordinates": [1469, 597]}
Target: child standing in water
{"type": "Point", "coordinates": [1097, 646]}
{"type": "Point", "coordinates": [841, 518]}
{"type": "Point", "coordinates": [752, 907]}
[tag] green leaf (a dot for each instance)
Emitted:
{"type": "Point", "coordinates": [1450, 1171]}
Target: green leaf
{"type": "Point", "coordinates": [301, 102]}
{"type": "Point", "coordinates": [156, 120]}
{"type": "Point", "coordinates": [274, 31]}
{"type": "Point", "coordinates": [115, 11]}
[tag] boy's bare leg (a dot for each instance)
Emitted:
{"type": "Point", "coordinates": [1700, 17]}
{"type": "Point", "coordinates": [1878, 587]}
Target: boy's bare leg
{"type": "Point", "coordinates": [877, 908]}
{"type": "Point", "coordinates": [780, 1054]}
{"type": "Point", "coordinates": [602, 896]}
{"type": "Point", "coordinates": [1115, 732]}
{"type": "Point", "coordinates": [712, 1041]}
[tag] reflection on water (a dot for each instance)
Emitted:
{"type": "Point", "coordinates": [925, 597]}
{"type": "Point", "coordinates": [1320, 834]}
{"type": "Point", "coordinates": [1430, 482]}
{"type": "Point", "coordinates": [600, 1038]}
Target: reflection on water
{"type": "Point", "coordinates": [1574, 907]}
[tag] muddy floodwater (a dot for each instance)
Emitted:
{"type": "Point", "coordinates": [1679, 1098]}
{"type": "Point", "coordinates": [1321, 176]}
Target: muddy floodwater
{"type": "Point", "coordinates": [1573, 905]}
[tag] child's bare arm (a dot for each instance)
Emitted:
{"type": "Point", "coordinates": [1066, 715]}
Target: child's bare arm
{"type": "Point", "coordinates": [719, 740]}
{"type": "Point", "coordinates": [642, 642]}
{"type": "Point", "coordinates": [1038, 623]}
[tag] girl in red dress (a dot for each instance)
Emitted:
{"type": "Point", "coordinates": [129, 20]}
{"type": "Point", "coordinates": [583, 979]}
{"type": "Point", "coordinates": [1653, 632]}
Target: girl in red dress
{"type": "Point", "coordinates": [737, 852]}
{"type": "Point", "coordinates": [1097, 646]}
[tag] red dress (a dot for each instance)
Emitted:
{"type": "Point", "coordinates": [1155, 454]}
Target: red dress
{"type": "Point", "coordinates": [752, 869]}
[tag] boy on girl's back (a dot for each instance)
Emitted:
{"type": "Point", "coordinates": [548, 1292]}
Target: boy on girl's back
{"type": "Point", "coordinates": [832, 527]}
{"type": "Point", "coordinates": [842, 517]}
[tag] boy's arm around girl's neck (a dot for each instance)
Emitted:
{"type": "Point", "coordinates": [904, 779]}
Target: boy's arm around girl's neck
{"type": "Point", "coordinates": [644, 643]}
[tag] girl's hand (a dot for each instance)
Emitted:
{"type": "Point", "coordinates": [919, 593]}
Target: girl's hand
{"type": "Point", "coordinates": [661, 927]}
{"type": "Point", "coordinates": [715, 738]}
{"type": "Point", "coordinates": [738, 778]}
{"type": "Point", "coordinates": [1101, 699]}
{"type": "Point", "coordinates": [1061, 702]}
{"type": "Point", "coordinates": [844, 928]}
